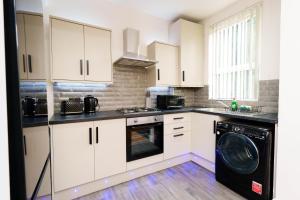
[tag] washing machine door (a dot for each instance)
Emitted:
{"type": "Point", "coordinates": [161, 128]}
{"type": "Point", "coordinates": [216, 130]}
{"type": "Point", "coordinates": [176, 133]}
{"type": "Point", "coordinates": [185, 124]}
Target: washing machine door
{"type": "Point", "coordinates": [238, 152]}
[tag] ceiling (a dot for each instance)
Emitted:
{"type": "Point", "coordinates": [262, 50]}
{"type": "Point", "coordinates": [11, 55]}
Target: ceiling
{"type": "Point", "coordinates": [173, 9]}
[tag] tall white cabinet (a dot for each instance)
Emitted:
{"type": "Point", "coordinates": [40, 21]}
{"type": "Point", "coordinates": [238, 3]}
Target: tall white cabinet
{"type": "Point", "coordinates": [80, 52]}
{"type": "Point", "coordinates": [166, 71]}
{"type": "Point", "coordinates": [189, 36]}
{"type": "Point", "coordinates": [30, 32]}
{"type": "Point", "coordinates": [86, 151]}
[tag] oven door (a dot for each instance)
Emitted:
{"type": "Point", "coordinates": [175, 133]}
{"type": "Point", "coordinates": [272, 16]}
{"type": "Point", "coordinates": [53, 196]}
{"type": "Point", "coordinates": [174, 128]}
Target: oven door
{"type": "Point", "coordinates": [144, 140]}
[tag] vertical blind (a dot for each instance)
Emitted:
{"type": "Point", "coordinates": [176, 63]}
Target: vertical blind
{"type": "Point", "coordinates": [234, 56]}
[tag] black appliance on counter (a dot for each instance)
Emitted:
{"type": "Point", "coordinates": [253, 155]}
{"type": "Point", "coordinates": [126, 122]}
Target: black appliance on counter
{"type": "Point", "coordinates": [90, 104]}
{"type": "Point", "coordinates": [144, 137]}
{"type": "Point", "coordinates": [168, 102]}
{"type": "Point", "coordinates": [71, 106]}
{"type": "Point", "coordinates": [245, 157]}
{"type": "Point", "coordinates": [34, 107]}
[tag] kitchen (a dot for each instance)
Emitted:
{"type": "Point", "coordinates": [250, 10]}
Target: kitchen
{"type": "Point", "coordinates": [112, 93]}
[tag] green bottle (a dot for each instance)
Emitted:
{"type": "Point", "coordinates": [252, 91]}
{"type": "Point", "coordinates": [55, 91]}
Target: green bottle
{"type": "Point", "coordinates": [234, 105]}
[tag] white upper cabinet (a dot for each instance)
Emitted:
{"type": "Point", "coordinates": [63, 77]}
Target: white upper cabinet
{"type": "Point", "coordinates": [30, 47]}
{"type": "Point", "coordinates": [21, 47]}
{"type": "Point", "coordinates": [80, 52]}
{"type": "Point", "coordinates": [189, 37]}
{"type": "Point", "coordinates": [98, 54]}
{"type": "Point", "coordinates": [165, 72]}
{"type": "Point", "coordinates": [67, 51]}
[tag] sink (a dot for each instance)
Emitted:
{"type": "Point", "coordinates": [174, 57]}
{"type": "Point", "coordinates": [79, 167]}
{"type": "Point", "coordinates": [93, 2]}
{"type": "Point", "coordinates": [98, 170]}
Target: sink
{"type": "Point", "coordinates": [223, 110]}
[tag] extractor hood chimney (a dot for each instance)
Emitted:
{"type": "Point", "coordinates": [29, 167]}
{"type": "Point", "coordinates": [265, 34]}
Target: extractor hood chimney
{"type": "Point", "coordinates": [131, 45]}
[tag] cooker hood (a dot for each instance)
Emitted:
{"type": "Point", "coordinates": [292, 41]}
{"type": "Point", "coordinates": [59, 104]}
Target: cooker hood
{"type": "Point", "coordinates": [131, 45]}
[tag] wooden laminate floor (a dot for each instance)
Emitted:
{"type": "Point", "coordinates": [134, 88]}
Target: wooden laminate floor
{"type": "Point", "coordinates": [187, 181]}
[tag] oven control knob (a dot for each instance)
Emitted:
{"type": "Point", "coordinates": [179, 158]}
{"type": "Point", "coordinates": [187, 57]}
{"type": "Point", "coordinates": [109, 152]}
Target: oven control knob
{"type": "Point", "coordinates": [155, 118]}
{"type": "Point", "coordinates": [237, 129]}
{"type": "Point", "coordinates": [135, 121]}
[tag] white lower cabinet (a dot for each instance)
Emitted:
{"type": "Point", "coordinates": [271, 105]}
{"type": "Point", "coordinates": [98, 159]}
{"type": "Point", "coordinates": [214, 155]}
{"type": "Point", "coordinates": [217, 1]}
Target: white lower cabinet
{"type": "Point", "coordinates": [86, 151]}
{"type": "Point", "coordinates": [36, 148]}
{"type": "Point", "coordinates": [177, 144]}
{"type": "Point", "coordinates": [203, 137]}
{"type": "Point", "coordinates": [73, 155]}
{"type": "Point", "coordinates": [177, 135]}
{"type": "Point", "coordinates": [110, 147]}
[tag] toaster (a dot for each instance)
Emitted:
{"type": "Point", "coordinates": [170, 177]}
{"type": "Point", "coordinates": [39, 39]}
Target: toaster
{"type": "Point", "coordinates": [71, 106]}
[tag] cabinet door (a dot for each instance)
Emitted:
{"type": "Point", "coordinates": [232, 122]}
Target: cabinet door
{"type": "Point", "coordinates": [73, 155]}
{"type": "Point", "coordinates": [203, 137]}
{"type": "Point", "coordinates": [97, 54]}
{"type": "Point", "coordinates": [191, 54]}
{"type": "Point", "coordinates": [167, 66]}
{"type": "Point", "coordinates": [36, 144]}
{"type": "Point", "coordinates": [177, 144]}
{"type": "Point", "coordinates": [21, 47]}
{"type": "Point", "coordinates": [67, 51]}
{"type": "Point", "coordinates": [34, 32]}
{"type": "Point", "coordinates": [110, 147]}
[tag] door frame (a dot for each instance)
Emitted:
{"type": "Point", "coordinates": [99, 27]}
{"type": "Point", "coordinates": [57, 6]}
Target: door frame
{"type": "Point", "coordinates": [14, 120]}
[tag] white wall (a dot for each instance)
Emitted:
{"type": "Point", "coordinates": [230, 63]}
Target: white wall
{"type": "Point", "coordinates": [288, 171]}
{"type": "Point", "coordinates": [270, 35]}
{"type": "Point", "coordinates": [4, 166]}
{"type": "Point", "coordinates": [115, 17]}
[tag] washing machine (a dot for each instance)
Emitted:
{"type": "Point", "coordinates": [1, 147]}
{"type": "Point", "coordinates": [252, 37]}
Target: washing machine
{"type": "Point", "coordinates": [244, 158]}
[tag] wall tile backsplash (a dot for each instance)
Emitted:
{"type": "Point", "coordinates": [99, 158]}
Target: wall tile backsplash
{"type": "Point", "coordinates": [130, 88]}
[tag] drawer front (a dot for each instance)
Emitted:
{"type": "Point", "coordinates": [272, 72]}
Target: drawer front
{"type": "Point", "coordinates": [177, 118]}
{"type": "Point", "coordinates": [176, 144]}
{"type": "Point", "coordinates": [177, 127]}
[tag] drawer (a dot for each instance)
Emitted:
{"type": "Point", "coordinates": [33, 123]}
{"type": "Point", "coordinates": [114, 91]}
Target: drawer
{"type": "Point", "coordinates": [177, 144]}
{"type": "Point", "coordinates": [177, 127]}
{"type": "Point", "coordinates": [177, 118]}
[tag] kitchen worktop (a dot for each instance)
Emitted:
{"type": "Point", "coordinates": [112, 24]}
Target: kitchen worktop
{"type": "Point", "coordinates": [34, 121]}
{"type": "Point", "coordinates": [103, 115]}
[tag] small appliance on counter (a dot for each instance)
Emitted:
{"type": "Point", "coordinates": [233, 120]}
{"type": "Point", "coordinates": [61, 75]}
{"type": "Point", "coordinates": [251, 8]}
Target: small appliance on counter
{"type": "Point", "coordinates": [72, 106]}
{"type": "Point", "coordinates": [91, 104]}
{"type": "Point", "coordinates": [168, 102]}
{"type": "Point", "coordinates": [34, 107]}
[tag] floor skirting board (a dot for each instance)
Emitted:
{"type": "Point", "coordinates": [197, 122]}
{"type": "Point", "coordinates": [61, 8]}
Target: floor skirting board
{"type": "Point", "coordinates": [101, 184]}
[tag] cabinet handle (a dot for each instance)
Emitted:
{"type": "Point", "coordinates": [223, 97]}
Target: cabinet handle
{"type": "Point", "coordinates": [158, 74]}
{"type": "Point", "coordinates": [81, 67]}
{"type": "Point", "coordinates": [177, 118]}
{"type": "Point", "coordinates": [177, 128]}
{"type": "Point", "coordinates": [29, 63]}
{"type": "Point", "coordinates": [25, 147]}
{"type": "Point", "coordinates": [183, 76]}
{"type": "Point", "coordinates": [215, 127]}
{"type": "Point", "coordinates": [97, 135]}
{"type": "Point", "coordinates": [24, 61]}
{"type": "Point", "coordinates": [87, 67]}
{"type": "Point", "coordinates": [90, 136]}
{"type": "Point", "coordinates": [178, 135]}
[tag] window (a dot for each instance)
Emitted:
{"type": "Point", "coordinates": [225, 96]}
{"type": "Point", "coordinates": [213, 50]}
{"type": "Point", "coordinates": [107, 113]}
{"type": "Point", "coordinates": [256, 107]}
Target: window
{"type": "Point", "coordinates": [234, 56]}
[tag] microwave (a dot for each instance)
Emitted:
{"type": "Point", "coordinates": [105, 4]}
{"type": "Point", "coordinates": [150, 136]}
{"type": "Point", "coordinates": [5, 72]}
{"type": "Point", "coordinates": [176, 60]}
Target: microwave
{"type": "Point", "coordinates": [168, 102]}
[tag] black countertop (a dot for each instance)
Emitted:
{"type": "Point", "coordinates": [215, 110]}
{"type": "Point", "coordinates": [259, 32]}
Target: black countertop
{"type": "Point", "coordinates": [34, 121]}
{"type": "Point", "coordinates": [103, 115]}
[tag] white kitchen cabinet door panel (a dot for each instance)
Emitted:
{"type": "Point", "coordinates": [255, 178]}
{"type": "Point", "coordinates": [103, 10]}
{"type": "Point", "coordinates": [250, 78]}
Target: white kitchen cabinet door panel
{"type": "Point", "coordinates": [36, 144]}
{"type": "Point", "coordinates": [73, 155]}
{"type": "Point", "coordinates": [203, 137]}
{"type": "Point", "coordinates": [110, 148]}
{"type": "Point", "coordinates": [21, 47]}
{"type": "Point", "coordinates": [67, 51]}
{"type": "Point", "coordinates": [97, 54]}
{"type": "Point", "coordinates": [34, 31]}
{"type": "Point", "coordinates": [177, 144]}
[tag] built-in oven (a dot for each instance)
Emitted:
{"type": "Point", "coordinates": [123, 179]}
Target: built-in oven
{"type": "Point", "coordinates": [144, 137]}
